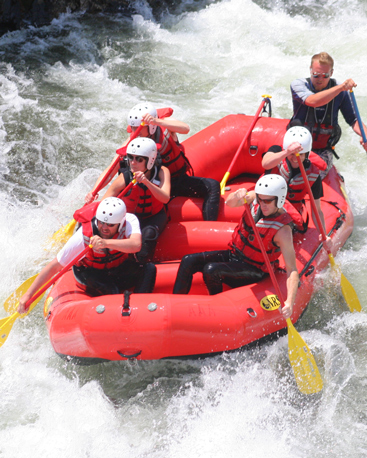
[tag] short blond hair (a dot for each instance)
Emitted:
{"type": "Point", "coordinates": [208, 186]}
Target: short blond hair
{"type": "Point", "coordinates": [324, 58]}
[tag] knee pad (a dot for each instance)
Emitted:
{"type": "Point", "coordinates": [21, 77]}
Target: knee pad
{"type": "Point", "coordinates": [150, 233]}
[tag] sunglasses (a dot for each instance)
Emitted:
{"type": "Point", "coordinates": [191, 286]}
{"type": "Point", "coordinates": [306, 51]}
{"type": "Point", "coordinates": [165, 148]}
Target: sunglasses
{"type": "Point", "coordinates": [265, 201]}
{"type": "Point", "coordinates": [106, 224]}
{"type": "Point", "coordinates": [137, 159]}
{"type": "Point", "coordinates": [319, 75]}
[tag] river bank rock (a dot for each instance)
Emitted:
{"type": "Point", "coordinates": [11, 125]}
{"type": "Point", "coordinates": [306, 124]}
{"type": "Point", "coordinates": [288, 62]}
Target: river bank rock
{"type": "Point", "coordinates": [16, 14]}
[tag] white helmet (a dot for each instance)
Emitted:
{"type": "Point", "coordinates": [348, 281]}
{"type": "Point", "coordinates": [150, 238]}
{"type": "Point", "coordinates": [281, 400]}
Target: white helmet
{"type": "Point", "coordinates": [298, 134]}
{"type": "Point", "coordinates": [111, 210]}
{"type": "Point", "coordinates": [136, 114]}
{"type": "Point", "coordinates": [272, 185]}
{"type": "Point", "coordinates": [143, 146]}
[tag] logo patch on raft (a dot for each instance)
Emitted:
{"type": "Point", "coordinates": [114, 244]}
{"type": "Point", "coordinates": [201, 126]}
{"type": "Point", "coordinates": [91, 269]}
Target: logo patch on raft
{"type": "Point", "coordinates": [270, 302]}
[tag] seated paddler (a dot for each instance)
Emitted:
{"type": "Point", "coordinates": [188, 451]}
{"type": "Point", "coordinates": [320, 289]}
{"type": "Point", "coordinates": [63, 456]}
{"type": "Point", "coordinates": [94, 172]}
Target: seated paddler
{"type": "Point", "coordinates": [243, 263]}
{"type": "Point", "coordinates": [108, 268]}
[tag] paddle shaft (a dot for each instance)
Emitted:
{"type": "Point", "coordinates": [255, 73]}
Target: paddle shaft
{"type": "Point", "coordinates": [264, 253]}
{"type": "Point", "coordinates": [312, 199]}
{"type": "Point", "coordinates": [304, 367]}
{"type": "Point", "coordinates": [358, 116]}
{"type": "Point", "coordinates": [125, 190]}
{"type": "Point", "coordinates": [102, 183]}
{"type": "Point", "coordinates": [256, 117]}
{"type": "Point", "coordinates": [348, 291]}
{"type": "Point", "coordinates": [57, 276]}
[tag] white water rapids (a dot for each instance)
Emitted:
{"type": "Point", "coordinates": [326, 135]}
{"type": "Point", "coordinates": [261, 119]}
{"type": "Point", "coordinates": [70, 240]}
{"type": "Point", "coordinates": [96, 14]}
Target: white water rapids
{"type": "Point", "coordinates": [65, 91]}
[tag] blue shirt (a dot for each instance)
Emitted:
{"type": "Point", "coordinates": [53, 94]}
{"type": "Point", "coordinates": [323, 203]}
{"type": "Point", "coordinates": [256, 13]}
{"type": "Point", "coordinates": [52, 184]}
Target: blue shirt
{"type": "Point", "coordinates": [301, 89]}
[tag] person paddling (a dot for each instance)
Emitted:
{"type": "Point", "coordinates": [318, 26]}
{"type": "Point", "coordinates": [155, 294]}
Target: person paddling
{"type": "Point", "coordinates": [243, 263]}
{"type": "Point", "coordinates": [147, 198]}
{"type": "Point", "coordinates": [163, 129]}
{"type": "Point", "coordinates": [283, 161]}
{"type": "Point", "coordinates": [109, 268]}
{"type": "Point", "coordinates": [317, 101]}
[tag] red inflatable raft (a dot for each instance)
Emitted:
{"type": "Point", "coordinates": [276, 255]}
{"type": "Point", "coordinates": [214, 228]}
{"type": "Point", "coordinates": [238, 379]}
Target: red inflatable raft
{"type": "Point", "coordinates": [162, 325]}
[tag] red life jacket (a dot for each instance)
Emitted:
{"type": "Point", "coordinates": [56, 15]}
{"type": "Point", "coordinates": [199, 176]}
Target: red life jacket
{"type": "Point", "coordinates": [106, 259]}
{"type": "Point", "coordinates": [244, 244]}
{"type": "Point", "coordinates": [139, 200]}
{"type": "Point", "coordinates": [297, 188]}
{"type": "Point", "coordinates": [172, 153]}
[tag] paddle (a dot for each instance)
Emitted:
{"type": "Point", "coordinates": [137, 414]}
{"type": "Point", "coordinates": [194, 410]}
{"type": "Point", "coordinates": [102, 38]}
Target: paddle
{"type": "Point", "coordinates": [62, 235]}
{"type": "Point", "coordinates": [349, 294]}
{"type": "Point", "coordinates": [266, 99]}
{"type": "Point", "coordinates": [358, 116]}
{"type": "Point", "coordinates": [302, 361]}
{"type": "Point", "coordinates": [6, 324]}
{"type": "Point", "coordinates": [11, 303]}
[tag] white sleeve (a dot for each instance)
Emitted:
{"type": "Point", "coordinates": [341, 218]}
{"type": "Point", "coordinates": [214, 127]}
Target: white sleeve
{"type": "Point", "coordinates": [132, 225]}
{"type": "Point", "coordinates": [71, 249]}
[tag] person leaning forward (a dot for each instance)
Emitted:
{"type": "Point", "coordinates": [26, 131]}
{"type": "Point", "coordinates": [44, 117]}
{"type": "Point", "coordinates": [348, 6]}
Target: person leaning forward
{"type": "Point", "coordinates": [243, 263]}
{"type": "Point", "coordinates": [148, 196]}
{"type": "Point", "coordinates": [108, 268]}
{"type": "Point", "coordinates": [317, 101]}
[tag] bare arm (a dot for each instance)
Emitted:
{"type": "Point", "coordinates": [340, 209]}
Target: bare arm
{"type": "Point", "coordinates": [271, 160]}
{"type": "Point", "coordinates": [172, 124]}
{"type": "Point", "coordinates": [323, 97]}
{"type": "Point", "coordinates": [236, 198]}
{"type": "Point", "coordinates": [284, 240]}
{"type": "Point", "coordinates": [161, 192]}
{"type": "Point", "coordinates": [51, 269]}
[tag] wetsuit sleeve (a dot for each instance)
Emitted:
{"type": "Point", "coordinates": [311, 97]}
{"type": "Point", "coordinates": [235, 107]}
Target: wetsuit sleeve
{"type": "Point", "coordinates": [71, 249]}
{"type": "Point", "coordinates": [316, 188]}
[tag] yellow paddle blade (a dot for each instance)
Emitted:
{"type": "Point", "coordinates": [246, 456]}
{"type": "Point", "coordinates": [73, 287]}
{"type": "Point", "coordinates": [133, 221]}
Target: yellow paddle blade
{"type": "Point", "coordinates": [349, 294]}
{"type": "Point", "coordinates": [303, 363]}
{"type": "Point", "coordinates": [61, 236]}
{"type": "Point", "coordinates": [6, 324]}
{"type": "Point", "coordinates": [11, 303]}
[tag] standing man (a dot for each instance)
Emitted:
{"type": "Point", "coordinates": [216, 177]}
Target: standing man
{"type": "Point", "coordinates": [316, 104]}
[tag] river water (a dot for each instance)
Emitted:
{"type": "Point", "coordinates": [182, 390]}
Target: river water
{"type": "Point", "coordinates": [65, 91]}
